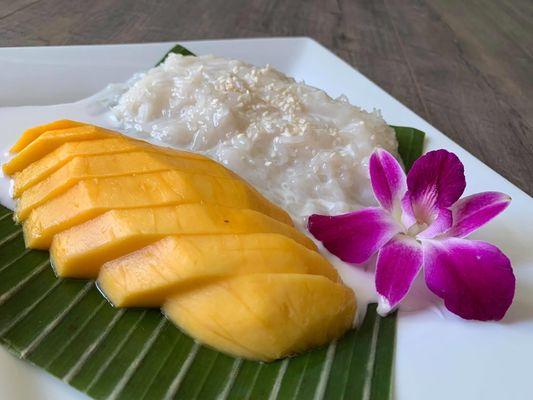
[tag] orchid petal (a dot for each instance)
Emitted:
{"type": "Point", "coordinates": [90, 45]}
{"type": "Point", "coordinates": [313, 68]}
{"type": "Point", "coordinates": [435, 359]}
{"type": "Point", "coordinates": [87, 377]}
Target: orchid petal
{"type": "Point", "coordinates": [399, 262]}
{"type": "Point", "coordinates": [355, 236]}
{"type": "Point", "coordinates": [408, 214]}
{"type": "Point", "coordinates": [474, 278]}
{"type": "Point", "coordinates": [440, 224]}
{"type": "Point", "coordinates": [472, 212]}
{"type": "Point", "coordinates": [388, 179]}
{"type": "Point", "coordinates": [435, 181]}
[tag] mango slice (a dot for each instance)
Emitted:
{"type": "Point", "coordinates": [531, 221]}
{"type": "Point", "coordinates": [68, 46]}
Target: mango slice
{"type": "Point", "coordinates": [80, 251]}
{"type": "Point", "coordinates": [42, 168]}
{"type": "Point", "coordinates": [31, 134]}
{"type": "Point", "coordinates": [145, 278]}
{"type": "Point", "coordinates": [80, 168]}
{"type": "Point", "coordinates": [165, 228]}
{"type": "Point", "coordinates": [264, 316]}
{"type": "Point", "coordinates": [51, 140]}
{"type": "Point", "coordinates": [92, 197]}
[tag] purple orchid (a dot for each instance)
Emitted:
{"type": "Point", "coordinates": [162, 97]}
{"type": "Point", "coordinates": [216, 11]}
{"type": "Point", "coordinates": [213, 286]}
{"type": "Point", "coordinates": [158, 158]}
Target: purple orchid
{"type": "Point", "coordinates": [422, 224]}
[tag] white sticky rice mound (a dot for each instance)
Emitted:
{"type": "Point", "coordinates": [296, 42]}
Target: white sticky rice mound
{"type": "Point", "coordinates": [304, 150]}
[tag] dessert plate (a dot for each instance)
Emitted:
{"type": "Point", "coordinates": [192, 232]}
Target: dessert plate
{"type": "Point", "coordinates": [438, 355]}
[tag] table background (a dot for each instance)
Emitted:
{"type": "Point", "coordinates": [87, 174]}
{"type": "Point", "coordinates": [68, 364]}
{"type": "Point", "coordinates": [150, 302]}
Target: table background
{"type": "Point", "coordinates": [466, 66]}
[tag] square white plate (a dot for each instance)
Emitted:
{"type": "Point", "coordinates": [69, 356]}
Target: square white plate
{"type": "Point", "coordinates": [438, 356]}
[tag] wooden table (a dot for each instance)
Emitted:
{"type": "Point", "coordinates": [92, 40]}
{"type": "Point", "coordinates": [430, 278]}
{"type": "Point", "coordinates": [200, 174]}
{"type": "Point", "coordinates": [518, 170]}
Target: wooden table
{"type": "Point", "coordinates": [465, 66]}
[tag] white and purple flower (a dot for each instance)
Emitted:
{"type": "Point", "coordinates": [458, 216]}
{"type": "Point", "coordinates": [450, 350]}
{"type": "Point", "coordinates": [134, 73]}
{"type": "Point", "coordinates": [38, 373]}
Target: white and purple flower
{"type": "Point", "coordinates": [421, 224]}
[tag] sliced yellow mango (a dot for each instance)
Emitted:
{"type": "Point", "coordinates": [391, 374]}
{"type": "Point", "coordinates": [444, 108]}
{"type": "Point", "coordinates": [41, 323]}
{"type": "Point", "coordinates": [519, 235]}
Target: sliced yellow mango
{"type": "Point", "coordinates": [80, 168]}
{"type": "Point", "coordinates": [161, 227]}
{"type": "Point", "coordinates": [31, 134]}
{"type": "Point", "coordinates": [51, 140]}
{"type": "Point", "coordinates": [80, 251]}
{"type": "Point", "coordinates": [40, 169]}
{"type": "Point", "coordinates": [264, 316]}
{"type": "Point", "coordinates": [50, 163]}
{"type": "Point", "coordinates": [145, 278]}
{"type": "Point", "coordinates": [91, 197]}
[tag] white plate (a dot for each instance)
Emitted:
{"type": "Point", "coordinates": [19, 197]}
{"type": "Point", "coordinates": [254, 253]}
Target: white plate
{"type": "Point", "coordinates": [438, 356]}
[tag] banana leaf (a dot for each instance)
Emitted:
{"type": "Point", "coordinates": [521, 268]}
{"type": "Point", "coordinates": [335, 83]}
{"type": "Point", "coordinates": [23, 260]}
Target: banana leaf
{"type": "Point", "coordinates": [66, 327]}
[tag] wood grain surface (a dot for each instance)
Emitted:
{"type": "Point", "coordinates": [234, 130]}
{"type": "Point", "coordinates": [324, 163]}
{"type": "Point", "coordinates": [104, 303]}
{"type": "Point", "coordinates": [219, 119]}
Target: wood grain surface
{"type": "Point", "coordinates": [464, 65]}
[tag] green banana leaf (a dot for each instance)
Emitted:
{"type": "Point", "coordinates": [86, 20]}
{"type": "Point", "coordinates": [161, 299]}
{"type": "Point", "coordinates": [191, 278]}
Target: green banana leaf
{"type": "Point", "coordinates": [177, 49]}
{"type": "Point", "coordinates": [66, 327]}
{"type": "Point", "coordinates": [410, 144]}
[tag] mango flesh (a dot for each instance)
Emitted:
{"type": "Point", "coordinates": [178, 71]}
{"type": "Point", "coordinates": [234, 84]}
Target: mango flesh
{"type": "Point", "coordinates": [48, 142]}
{"type": "Point", "coordinates": [42, 168]}
{"type": "Point", "coordinates": [264, 316]}
{"type": "Point", "coordinates": [80, 251]}
{"type": "Point", "coordinates": [80, 168]}
{"type": "Point", "coordinates": [92, 197]}
{"type": "Point", "coordinates": [169, 228]}
{"type": "Point", "coordinates": [31, 134]}
{"type": "Point", "coordinates": [145, 278]}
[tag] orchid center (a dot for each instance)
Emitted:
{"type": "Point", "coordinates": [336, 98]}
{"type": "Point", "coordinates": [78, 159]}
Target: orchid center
{"type": "Point", "coordinates": [415, 229]}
